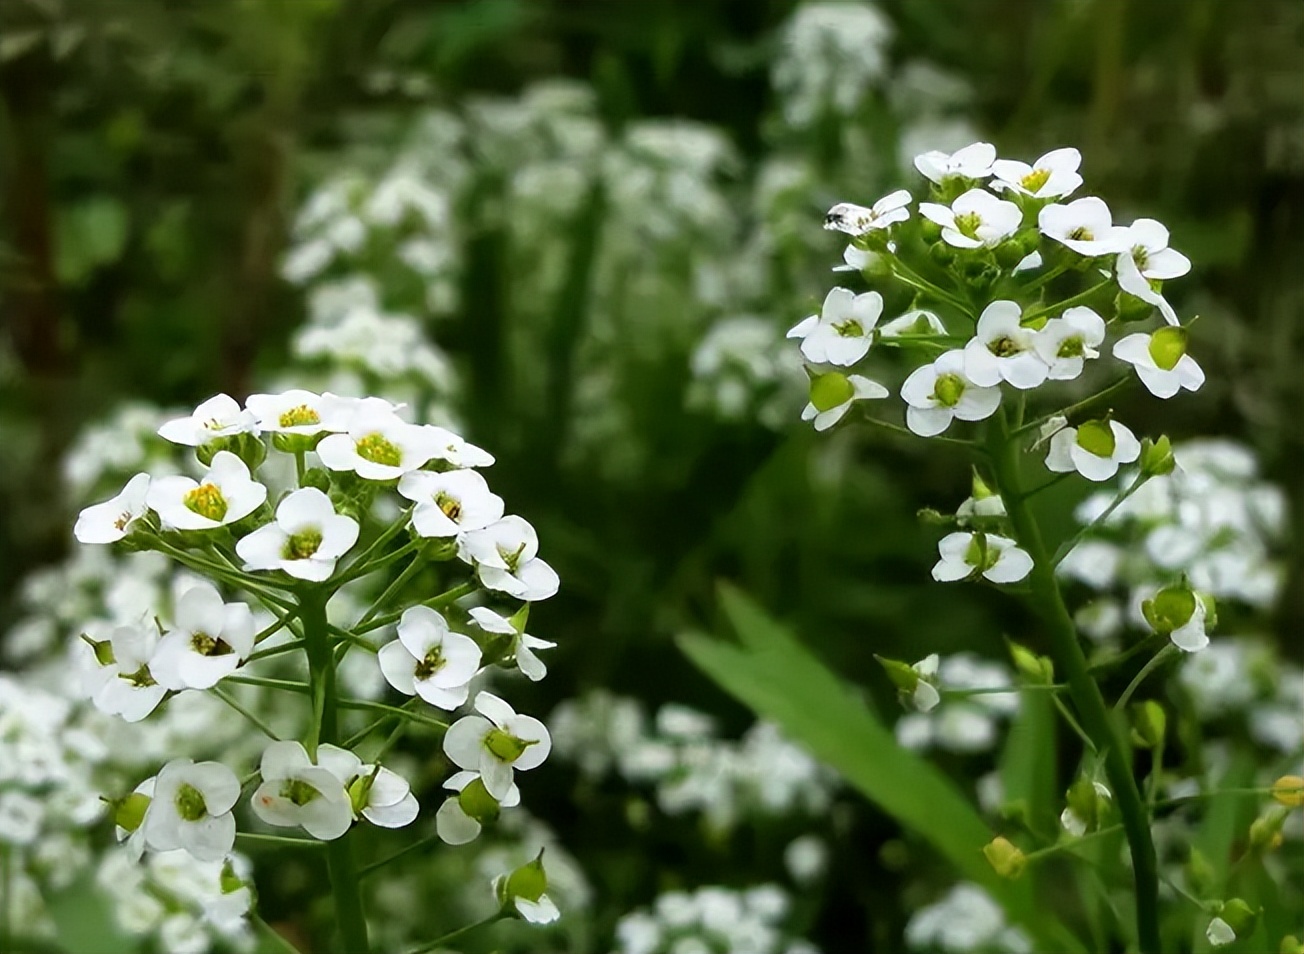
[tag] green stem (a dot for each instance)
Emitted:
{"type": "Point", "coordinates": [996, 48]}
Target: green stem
{"type": "Point", "coordinates": [275, 650]}
{"type": "Point", "coordinates": [281, 840]}
{"type": "Point", "coordinates": [1073, 723]}
{"type": "Point", "coordinates": [1155, 661]}
{"type": "Point", "coordinates": [898, 429]}
{"type": "Point", "coordinates": [1073, 410]}
{"type": "Point", "coordinates": [402, 852]}
{"type": "Point", "coordinates": [1068, 655]}
{"type": "Point", "coordinates": [362, 565]}
{"type": "Point", "coordinates": [451, 936]}
{"type": "Point", "coordinates": [1067, 546]}
{"type": "Point", "coordinates": [258, 723]}
{"type": "Point", "coordinates": [435, 602]}
{"type": "Point", "coordinates": [1077, 299]}
{"type": "Point", "coordinates": [300, 466]}
{"type": "Point", "coordinates": [400, 581]}
{"type": "Point", "coordinates": [340, 865]}
{"type": "Point", "coordinates": [278, 940]}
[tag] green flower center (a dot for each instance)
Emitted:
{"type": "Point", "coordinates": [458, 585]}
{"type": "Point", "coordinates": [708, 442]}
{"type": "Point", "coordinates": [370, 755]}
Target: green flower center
{"type": "Point", "coordinates": [298, 791]}
{"type": "Point", "coordinates": [428, 665]}
{"type": "Point", "coordinates": [1097, 437]}
{"type": "Point", "coordinates": [207, 501]}
{"type": "Point", "coordinates": [1082, 234]}
{"type": "Point", "coordinates": [1035, 179]}
{"type": "Point", "coordinates": [967, 223]}
{"type": "Point", "coordinates": [830, 390]}
{"type": "Point", "coordinates": [190, 803]}
{"type": "Point", "coordinates": [1004, 347]}
{"type": "Point", "coordinates": [141, 678]}
{"type": "Point", "coordinates": [1141, 257]}
{"type": "Point", "coordinates": [979, 555]}
{"type": "Point", "coordinates": [207, 645]}
{"type": "Point", "coordinates": [450, 505]}
{"type": "Point", "coordinates": [378, 450]}
{"type": "Point", "coordinates": [504, 745]}
{"type": "Point", "coordinates": [1071, 348]}
{"type": "Point", "coordinates": [948, 390]}
{"type": "Point", "coordinates": [1167, 345]}
{"type": "Point", "coordinates": [299, 416]}
{"type": "Point", "coordinates": [850, 328]}
{"type": "Point", "coordinates": [511, 557]}
{"type": "Point", "coordinates": [301, 545]}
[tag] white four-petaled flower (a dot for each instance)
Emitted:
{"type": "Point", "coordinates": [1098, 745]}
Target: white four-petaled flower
{"type": "Point", "coordinates": [523, 644]}
{"type": "Point", "coordinates": [1002, 349]}
{"type": "Point", "coordinates": [1053, 176]}
{"type": "Point", "coordinates": [857, 220]}
{"type": "Point", "coordinates": [1066, 343]}
{"type": "Point", "coordinates": [297, 412]}
{"type": "Point", "coordinates": [450, 503]}
{"type": "Point", "coordinates": [1084, 225]}
{"type": "Point", "coordinates": [304, 540]}
{"type": "Point", "coordinates": [505, 555]}
{"type": "Point", "coordinates": [972, 162]}
{"type": "Point", "coordinates": [111, 520]}
{"type": "Point", "coordinates": [938, 393]}
{"type": "Point", "coordinates": [191, 809]}
{"type": "Point", "coordinates": [219, 416]}
{"type": "Point", "coordinates": [209, 640]}
{"type": "Point", "coordinates": [1094, 449]}
{"type": "Point", "coordinates": [976, 219]}
{"type": "Point", "coordinates": [843, 331]}
{"type": "Point", "coordinates": [460, 818]}
{"type": "Point", "coordinates": [831, 396]}
{"type": "Point", "coordinates": [498, 744]}
{"type": "Point", "coordinates": [126, 687]}
{"type": "Point", "coordinates": [430, 660]}
{"type": "Point", "coordinates": [1161, 361]}
{"type": "Point", "coordinates": [379, 445]}
{"type": "Point", "coordinates": [382, 797]}
{"type": "Point", "coordinates": [998, 559]}
{"type": "Point", "coordinates": [295, 792]}
{"type": "Point", "coordinates": [226, 493]}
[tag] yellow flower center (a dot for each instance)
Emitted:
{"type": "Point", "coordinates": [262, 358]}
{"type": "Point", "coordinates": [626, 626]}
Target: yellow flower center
{"type": "Point", "coordinates": [451, 506]}
{"type": "Point", "coordinates": [967, 224]}
{"type": "Point", "coordinates": [207, 501]}
{"type": "Point", "coordinates": [1082, 234]}
{"type": "Point", "coordinates": [377, 449]}
{"type": "Point", "coordinates": [1071, 348]}
{"type": "Point", "coordinates": [299, 416]}
{"type": "Point", "coordinates": [431, 663]}
{"type": "Point", "coordinates": [301, 545]}
{"type": "Point", "coordinates": [850, 328]}
{"type": "Point", "coordinates": [1035, 179]}
{"type": "Point", "coordinates": [207, 645]}
{"type": "Point", "coordinates": [1004, 347]}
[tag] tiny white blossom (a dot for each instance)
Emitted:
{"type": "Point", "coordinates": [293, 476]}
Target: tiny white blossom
{"type": "Point", "coordinates": [938, 393]}
{"type": "Point", "coordinates": [1053, 176]}
{"type": "Point", "coordinates": [126, 687]}
{"type": "Point", "coordinates": [295, 792]}
{"type": "Point", "coordinates": [1002, 349]}
{"type": "Point", "coordinates": [379, 445]}
{"type": "Point", "coordinates": [505, 555]}
{"type": "Point", "coordinates": [1134, 283]}
{"type": "Point", "coordinates": [454, 449]}
{"type": "Point", "coordinates": [454, 823]}
{"type": "Point", "coordinates": [857, 220]}
{"type": "Point", "coordinates": [1219, 933]}
{"type": "Point", "coordinates": [1076, 825]}
{"type": "Point", "coordinates": [1084, 225]}
{"type": "Point", "coordinates": [523, 644]}
{"type": "Point", "coordinates": [111, 520]}
{"type": "Point", "coordinates": [377, 794]}
{"type": "Point", "coordinates": [209, 640]}
{"type": "Point", "coordinates": [1149, 251]}
{"type": "Point", "coordinates": [972, 162]}
{"type": "Point", "coordinates": [219, 416]}
{"type": "Point", "coordinates": [226, 493]}
{"type": "Point", "coordinates": [1191, 636]}
{"type": "Point", "coordinates": [843, 330]}
{"type": "Point", "coordinates": [305, 540]}
{"type": "Point", "coordinates": [191, 809]}
{"type": "Point", "coordinates": [854, 388]}
{"type": "Point", "coordinates": [1095, 450]}
{"type": "Point", "coordinates": [1161, 361]}
{"type": "Point", "coordinates": [295, 412]}
{"type": "Point", "coordinates": [916, 322]}
{"type": "Point", "coordinates": [997, 558]}
{"type": "Point", "coordinates": [1066, 343]}
{"type": "Point", "coordinates": [450, 503]}
{"type": "Point", "coordinates": [926, 697]}
{"type": "Point", "coordinates": [429, 660]}
{"type": "Point", "coordinates": [855, 259]}
{"type": "Point", "coordinates": [976, 219]}
{"type": "Point", "coordinates": [497, 745]}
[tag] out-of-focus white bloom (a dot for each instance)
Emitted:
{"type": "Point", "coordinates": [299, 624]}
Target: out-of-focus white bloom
{"type": "Point", "coordinates": [382, 797]}
{"type": "Point", "coordinates": [304, 540]}
{"type": "Point", "coordinates": [1219, 933]}
{"type": "Point", "coordinates": [505, 555]}
{"type": "Point", "coordinates": [226, 493]}
{"type": "Point", "coordinates": [1084, 225]}
{"type": "Point", "coordinates": [1066, 343]}
{"type": "Point", "coordinates": [191, 809]}
{"type": "Point", "coordinates": [450, 503]}
{"type": "Point", "coordinates": [830, 56]}
{"type": "Point", "coordinates": [209, 640]}
{"type": "Point", "coordinates": [976, 219]}
{"type": "Point", "coordinates": [111, 520]}
{"type": "Point", "coordinates": [712, 919]}
{"type": "Point", "coordinates": [965, 919]}
{"type": "Point", "coordinates": [806, 857]}
{"type": "Point", "coordinates": [972, 162]}
{"type": "Point", "coordinates": [843, 330]}
{"type": "Point", "coordinates": [1095, 449]}
{"type": "Point", "coordinates": [1093, 562]}
{"type": "Point", "coordinates": [940, 392]}
{"type": "Point", "coordinates": [857, 219]}
{"type": "Point", "coordinates": [990, 555]}
{"type": "Point", "coordinates": [498, 745]}
{"type": "Point", "coordinates": [523, 644]}
{"type": "Point", "coordinates": [125, 686]}
{"type": "Point", "coordinates": [429, 660]}
{"type": "Point", "coordinates": [1053, 176]}
{"type": "Point", "coordinates": [1002, 349]}
{"type": "Point", "coordinates": [296, 792]}
{"type": "Point", "coordinates": [219, 416]}
{"type": "Point", "coordinates": [20, 818]}
{"type": "Point", "coordinates": [1161, 361]}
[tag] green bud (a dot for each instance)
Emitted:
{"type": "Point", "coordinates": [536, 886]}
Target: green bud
{"type": "Point", "coordinates": [1009, 253]}
{"type": "Point", "coordinates": [294, 443]}
{"type": "Point", "coordinates": [1171, 609]}
{"type": "Point", "coordinates": [934, 518]}
{"type": "Point", "coordinates": [129, 812]}
{"type": "Point", "coordinates": [528, 881]}
{"type": "Point", "coordinates": [1290, 944]}
{"type": "Point", "coordinates": [439, 551]}
{"type": "Point", "coordinates": [230, 882]}
{"type": "Point", "coordinates": [1029, 241]}
{"type": "Point", "coordinates": [1149, 724]}
{"type": "Point", "coordinates": [1097, 437]}
{"type": "Point", "coordinates": [830, 390]}
{"type": "Point", "coordinates": [940, 252]}
{"type": "Point", "coordinates": [1240, 917]}
{"type": "Point", "coordinates": [1265, 831]}
{"type": "Point", "coordinates": [1038, 670]}
{"type": "Point", "coordinates": [1129, 308]}
{"type": "Point", "coordinates": [1167, 346]}
{"type": "Point", "coordinates": [103, 650]}
{"type": "Point", "coordinates": [360, 790]}
{"type": "Point", "coordinates": [903, 675]}
{"type": "Point", "coordinates": [477, 802]}
{"type": "Point", "coordinates": [1199, 872]}
{"type": "Point", "coordinates": [1289, 791]}
{"type": "Point", "coordinates": [1157, 457]}
{"type": "Point", "coordinates": [1005, 857]}
{"type": "Point", "coordinates": [248, 448]}
{"type": "Point", "coordinates": [931, 232]}
{"type": "Point", "coordinates": [980, 490]}
{"type": "Point", "coordinates": [1086, 803]}
{"type": "Point", "coordinates": [316, 477]}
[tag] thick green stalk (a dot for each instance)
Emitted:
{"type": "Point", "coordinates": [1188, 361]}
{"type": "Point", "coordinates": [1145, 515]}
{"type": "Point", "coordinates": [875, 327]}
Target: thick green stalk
{"type": "Point", "coordinates": [1068, 656]}
{"type": "Point", "coordinates": [340, 866]}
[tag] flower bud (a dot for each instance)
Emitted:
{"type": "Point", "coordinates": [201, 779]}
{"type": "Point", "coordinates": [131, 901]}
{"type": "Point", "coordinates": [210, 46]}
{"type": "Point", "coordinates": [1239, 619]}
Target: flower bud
{"type": "Point", "coordinates": [1038, 670]}
{"type": "Point", "coordinates": [1009, 253]}
{"type": "Point", "coordinates": [934, 518]}
{"type": "Point", "coordinates": [1129, 308]}
{"type": "Point", "coordinates": [1265, 831]}
{"type": "Point", "coordinates": [930, 231]}
{"type": "Point", "coordinates": [831, 390]}
{"type": "Point", "coordinates": [316, 477]}
{"type": "Point", "coordinates": [1157, 457]}
{"type": "Point", "coordinates": [1171, 608]}
{"type": "Point", "coordinates": [102, 648]}
{"type": "Point", "coordinates": [1289, 791]}
{"type": "Point", "coordinates": [903, 676]}
{"type": "Point", "coordinates": [1005, 858]}
{"type": "Point", "coordinates": [940, 252]}
{"type": "Point", "coordinates": [294, 443]}
{"type": "Point", "coordinates": [248, 448]}
{"type": "Point", "coordinates": [528, 881]}
{"type": "Point", "coordinates": [1290, 944]}
{"type": "Point", "coordinates": [1149, 724]}
{"type": "Point", "coordinates": [129, 812]}
{"type": "Point", "coordinates": [1239, 916]}
{"type": "Point", "coordinates": [1087, 803]}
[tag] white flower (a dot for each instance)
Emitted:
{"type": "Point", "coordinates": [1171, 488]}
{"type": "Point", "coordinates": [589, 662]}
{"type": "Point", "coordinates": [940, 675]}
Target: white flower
{"type": "Point", "coordinates": [856, 259]}
{"type": "Point", "coordinates": [917, 322]}
{"type": "Point", "coordinates": [1161, 361]}
{"type": "Point", "coordinates": [379, 445]}
{"type": "Point", "coordinates": [1149, 251]}
{"type": "Point", "coordinates": [505, 554]}
{"type": "Point", "coordinates": [111, 520]}
{"type": "Point", "coordinates": [523, 644]}
{"type": "Point", "coordinates": [939, 392]}
{"type": "Point", "coordinates": [454, 449]}
{"type": "Point", "coordinates": [973, 162]}
{"type": "Point", "coordinates": [429, 660]}
{"type": "Point", "coordinates": [304, 540]}
{"type": "Point", "coordinates": [540, 911]}
{"type": "Point", "coordinates": [997, 558]}
{"type": "Point", "coordinates": [843, 330]}
{"type": "Point", "coordinates": [191, 809]}
{"type": "Point", "coordinates": [831, 396]}
{"type": "Point", "coordinates": [857, 220]}
{"type": "Point", "coordinates": [458, 820]}
{"type": "Point", "coordinates": [382, 797]}
{"type": "Point", "coordinates": [1095, 450]}
{"type": "Point", "coordinates": [133, 842]}
{"type": "Point", "coordinates": [497, 745]}
{"type": "Point", "coordinates": [926, 697]}
{"type": "Point", "coordinates": [976, 219]}
{"type": "Point", "coordinates": [1066, 343]}
{"type": "Point", "coordinates": [1083, 225]}
{"type": "Point", "coordinates": [450, 503]}
{"type": "Point", "coordinates": [297, 792]}
{"type": "Point", "coordinates": [225, 494]}
{"type": "Point", "coordinates": [210, 639]}
{"type": "Point", "coordinates": [1053, 176]}
{"type": "Point", "coordinates": [1219, 933]}
{"type": "Point", "coordinates": [295, 412]}
{"type": "Point", "coordinates": [1003, 349]}
{"type": "Point", "coordinates": [1191, 637]}
{"type": "Point", "coordinates": [219, 416]}
{"type": "Point", "coordinates": [126, 687]}
{"type": "Point", "coordinates": [1134, 283]}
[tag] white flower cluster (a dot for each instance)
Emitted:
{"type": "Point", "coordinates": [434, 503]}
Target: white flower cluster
{"type": "Point", "coordinates": [966, 919]}
{"type": "Point", "coordinates": [712, 920]}
{"type": "Point", "coordinates": [363, 447]}
{"type": "Point", "coordinates": [740, 372]}
{"type": "Point", "coordinates": [831, 56]}
{"type": "Point", "coordinates": [694, 771]}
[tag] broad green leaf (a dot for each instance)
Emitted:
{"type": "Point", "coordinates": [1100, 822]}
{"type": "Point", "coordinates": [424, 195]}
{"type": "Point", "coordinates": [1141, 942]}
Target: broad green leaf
{"type": "Point", "coordinates": [782, 681]}
{"type": "Point", "coordinates": [1028, 763]}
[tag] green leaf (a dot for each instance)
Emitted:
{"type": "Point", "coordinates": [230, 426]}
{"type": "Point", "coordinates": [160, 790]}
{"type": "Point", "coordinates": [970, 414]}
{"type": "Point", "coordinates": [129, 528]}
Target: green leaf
{"type": "Point", "coordinates": [782, 681]}
{"type": "Point", "coordinates": [1028, 762]}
